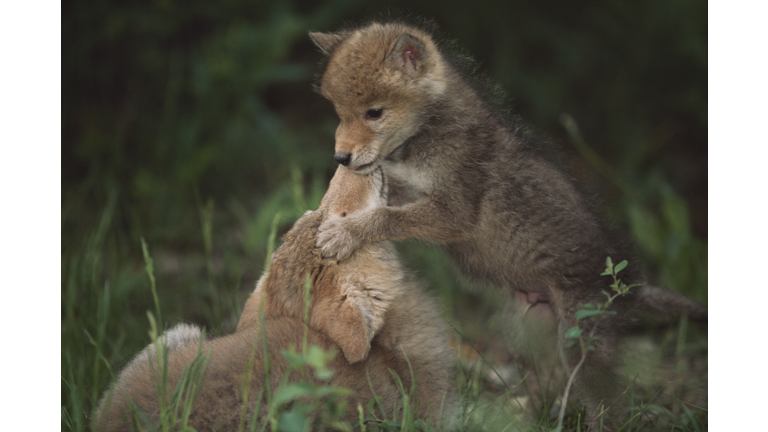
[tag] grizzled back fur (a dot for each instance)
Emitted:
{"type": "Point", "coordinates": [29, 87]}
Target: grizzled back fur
{"type": "Point", "coordinates": [464, 177]}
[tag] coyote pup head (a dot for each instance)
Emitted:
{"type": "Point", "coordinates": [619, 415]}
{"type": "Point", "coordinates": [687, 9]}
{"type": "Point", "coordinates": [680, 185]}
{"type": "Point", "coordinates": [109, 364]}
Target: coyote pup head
{"type": "Point", "coordinates": [382, 80]}
{"type": "Point", "coordinates": [349, 299]}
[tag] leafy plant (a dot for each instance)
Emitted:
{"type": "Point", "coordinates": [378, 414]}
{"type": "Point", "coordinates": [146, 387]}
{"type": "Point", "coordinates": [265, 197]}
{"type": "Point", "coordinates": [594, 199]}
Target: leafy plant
{"type": "Point", "coordinates": [593, 312]}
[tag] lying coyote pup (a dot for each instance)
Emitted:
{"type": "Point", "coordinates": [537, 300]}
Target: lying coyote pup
{"type": "Point", "coordinates": [367, 307]}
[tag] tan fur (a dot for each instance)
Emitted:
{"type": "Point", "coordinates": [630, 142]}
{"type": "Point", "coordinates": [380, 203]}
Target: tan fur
{"type": "Point", "coordinates": [386, 83]}
{"type": "Point", "coordinates": [367, 307]}
{"type": "Point", "coordinates": [465, 178]}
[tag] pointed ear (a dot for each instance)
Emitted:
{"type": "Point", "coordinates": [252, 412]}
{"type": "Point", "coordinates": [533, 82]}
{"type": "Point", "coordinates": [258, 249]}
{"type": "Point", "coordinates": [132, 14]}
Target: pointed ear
{"type": "Point", "coordinates": [352, 334]}
{"type": "Point", "coordinates": [345, 324]}
{"type": "Point", "coordinates": [408, 55]}
{"type": "Point", "coordinates": [327, 42]}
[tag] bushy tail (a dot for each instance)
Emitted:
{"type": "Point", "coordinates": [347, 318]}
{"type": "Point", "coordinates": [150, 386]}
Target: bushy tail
{"type": "Point", "coordinates": [664, 303]}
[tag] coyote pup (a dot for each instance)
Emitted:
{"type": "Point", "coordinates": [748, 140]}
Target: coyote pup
{"type": "Point", "coordinates": [367, 307]}
{"type": "Point", "coordinates": [466, 178]}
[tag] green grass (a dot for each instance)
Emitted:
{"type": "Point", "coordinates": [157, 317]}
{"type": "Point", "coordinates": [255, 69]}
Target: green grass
{"type": "Point", "coordinates": [111, 286]}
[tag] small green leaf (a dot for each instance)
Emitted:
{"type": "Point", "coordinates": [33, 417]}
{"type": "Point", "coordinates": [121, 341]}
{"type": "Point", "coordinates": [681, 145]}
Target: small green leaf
{"type": "Point", "coordinates": [324, 374]}
{"type": "Point", "coordinates": [295, 360]}
{"type": "Point", "coordinates": [573, 333]}
{"type": "Point", "coordinates": [319, 358]}
{"type": "Point", "coordinates": [587, 313]}
{"type": "Point", "coordinates": [620, 266]}
{"type": "Point", "coordinates": [292, 421]}
{"type": "Point", "coordinates": [372, 404]}
{"type": "Point", "coordinates": [291, 392]}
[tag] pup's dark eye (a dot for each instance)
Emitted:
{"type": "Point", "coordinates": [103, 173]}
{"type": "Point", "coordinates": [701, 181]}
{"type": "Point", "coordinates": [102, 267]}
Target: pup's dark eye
{"type": "Point", "coordinates": [374, 113]}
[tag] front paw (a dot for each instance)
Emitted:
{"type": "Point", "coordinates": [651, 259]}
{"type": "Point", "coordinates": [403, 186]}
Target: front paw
{"type": "Point", "coordinates": [336, 239]}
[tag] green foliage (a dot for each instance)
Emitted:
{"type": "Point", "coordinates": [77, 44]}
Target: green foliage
{"type": "Point", "coordinates": [593, 312]}
{"type": "Point", "coordinates": [600, 310]}
{"type": "Point", "coordinates": [304, 405]}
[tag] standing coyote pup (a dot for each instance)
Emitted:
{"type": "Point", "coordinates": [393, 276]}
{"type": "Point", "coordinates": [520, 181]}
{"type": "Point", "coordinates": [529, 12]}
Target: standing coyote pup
{"type": "Point", "coordinates": [473, 182]}
{"type": "Point", "coordinates": [367, 307]}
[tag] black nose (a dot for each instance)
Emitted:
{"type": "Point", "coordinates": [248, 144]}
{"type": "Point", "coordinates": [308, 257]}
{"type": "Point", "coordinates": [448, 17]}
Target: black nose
{"type": "Point", "coordinates": [342, 158]}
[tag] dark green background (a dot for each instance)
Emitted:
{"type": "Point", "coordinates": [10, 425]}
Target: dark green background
{"type": "Point", "coordinates": [161, 98]}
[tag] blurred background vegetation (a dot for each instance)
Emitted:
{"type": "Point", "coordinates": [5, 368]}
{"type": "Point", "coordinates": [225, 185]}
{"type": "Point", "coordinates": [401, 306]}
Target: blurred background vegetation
{"type": "Point", "coordinates": [193, 124]}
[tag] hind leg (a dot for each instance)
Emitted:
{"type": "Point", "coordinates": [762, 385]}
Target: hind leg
{"type": "Point", "coordinates": [596, 383]}
{"type": "Point", "coordinates": [530, 326]}
{"type": "Point", "coordinates": [530, 331]}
